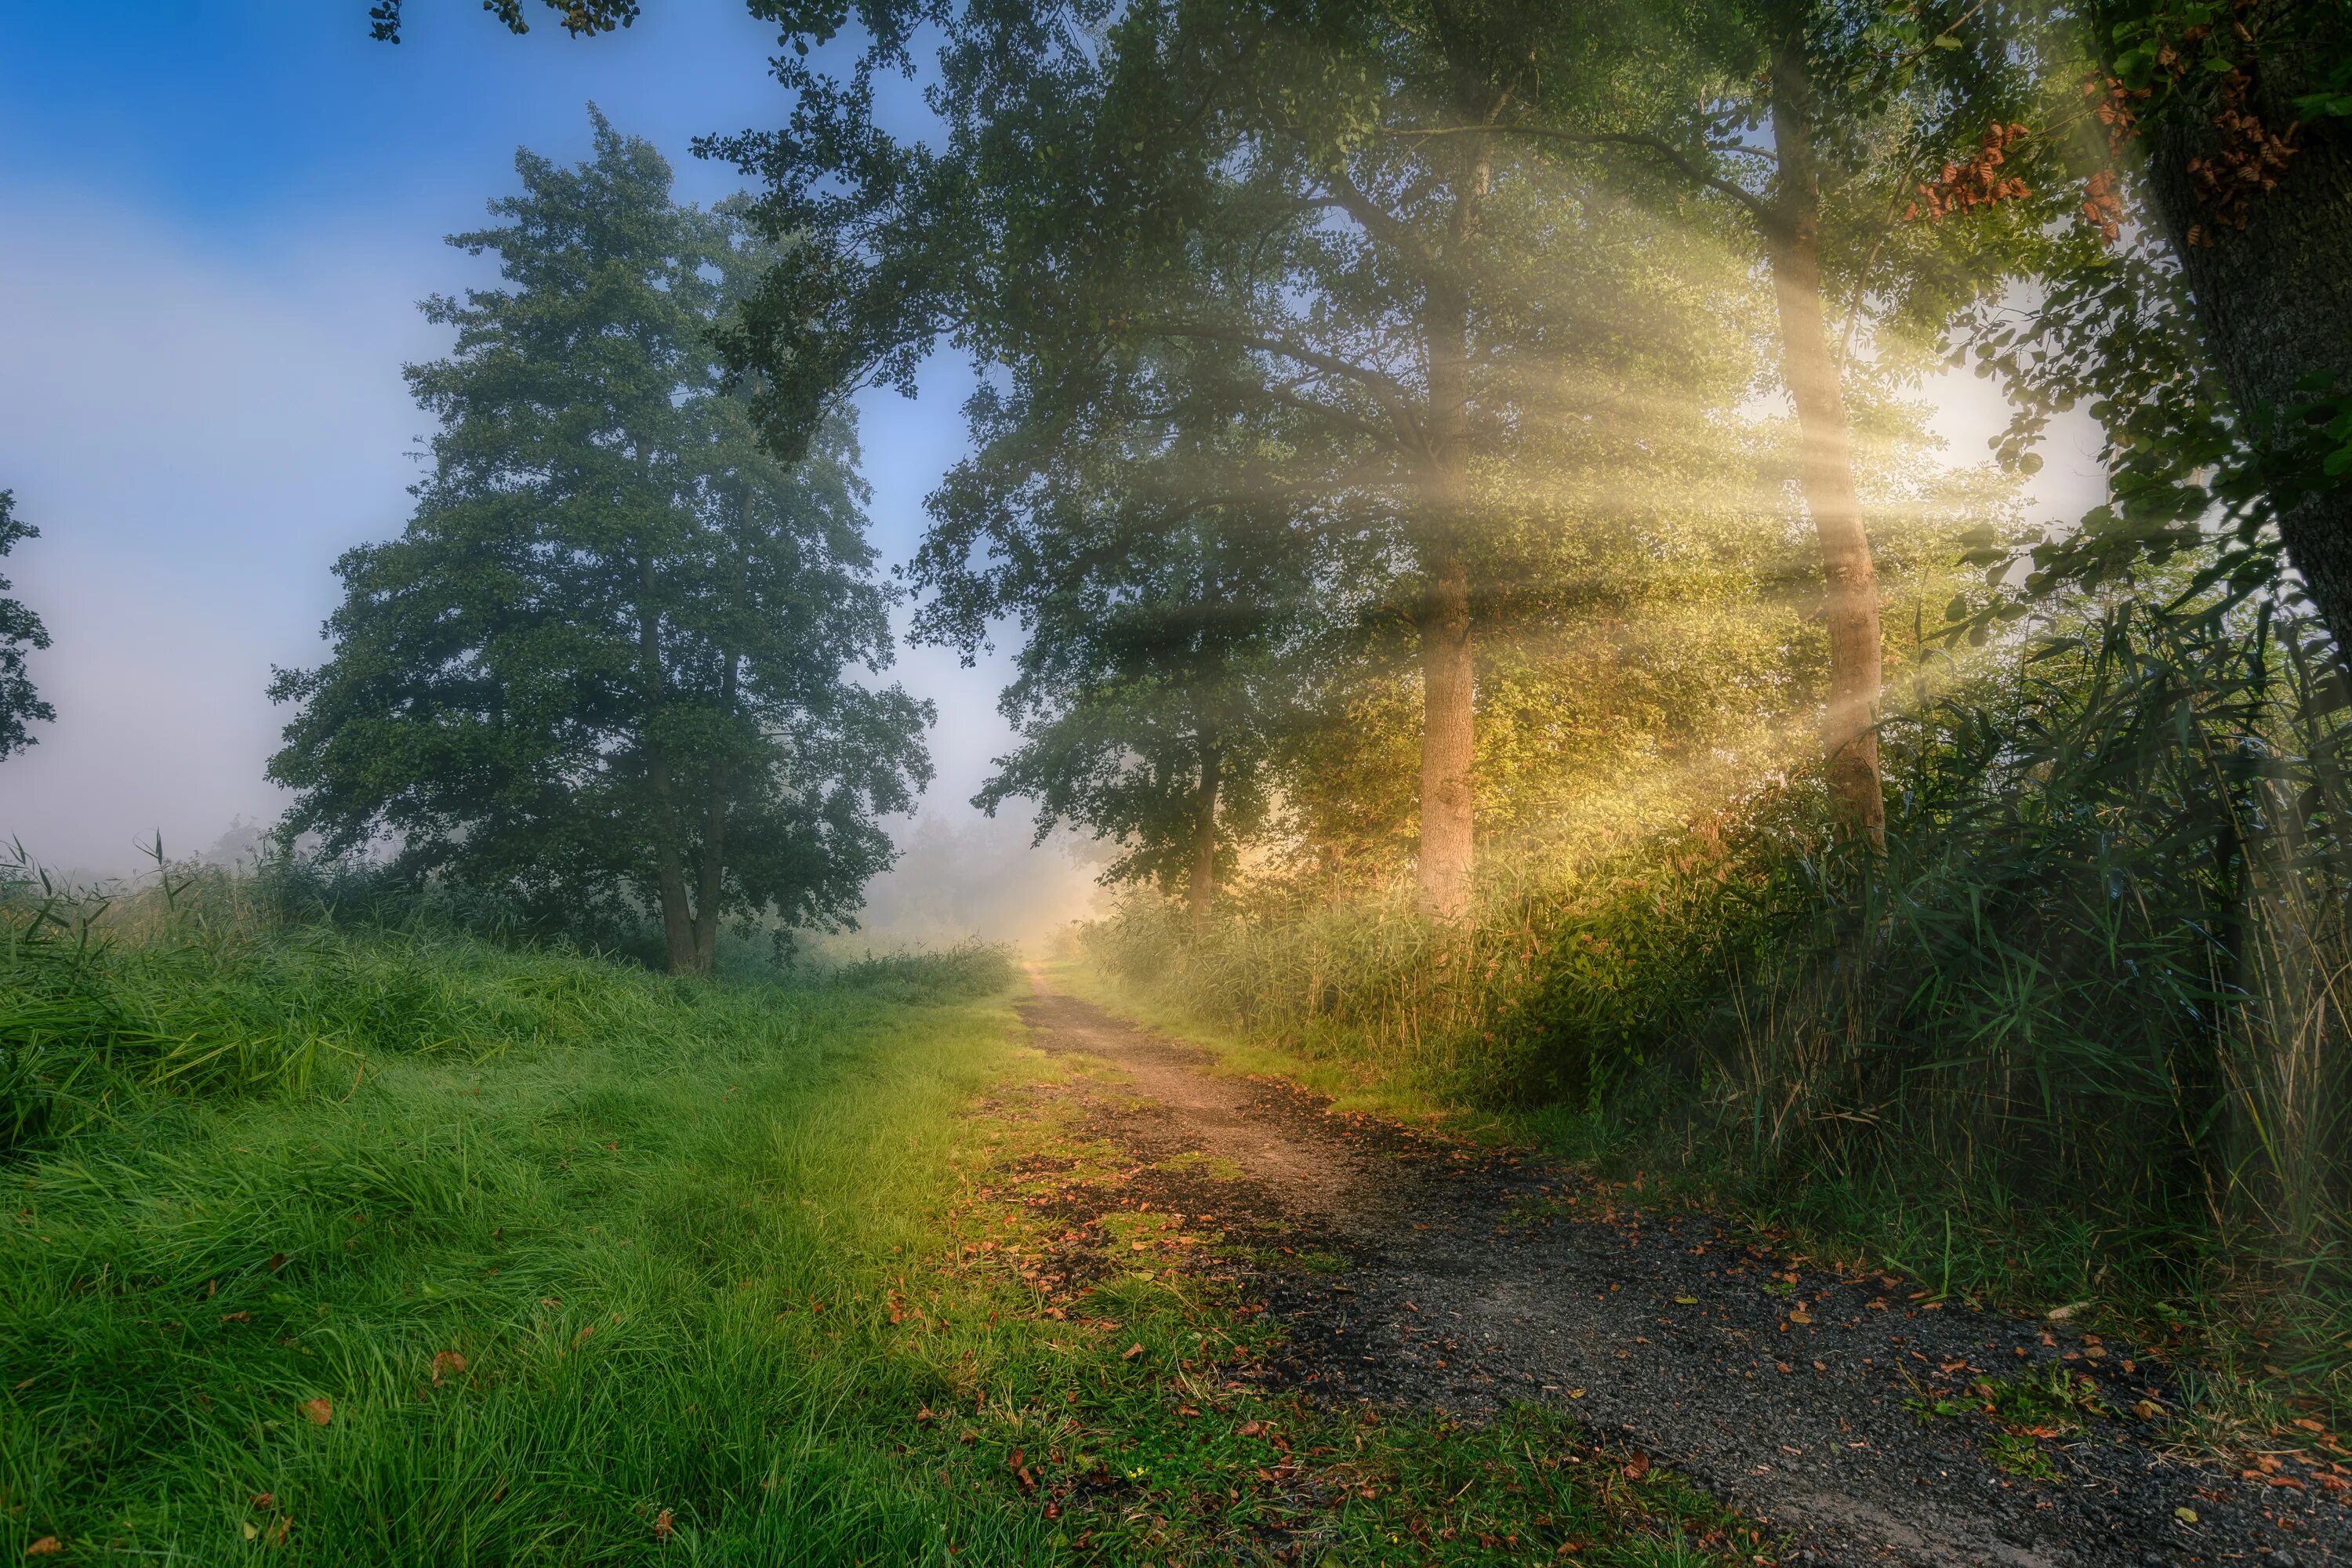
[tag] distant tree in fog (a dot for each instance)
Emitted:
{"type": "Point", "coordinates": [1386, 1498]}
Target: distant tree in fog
{"type": "Point", "coordinates": [604, 669]}
{"type": "Point", "coordinates": [20, 629]}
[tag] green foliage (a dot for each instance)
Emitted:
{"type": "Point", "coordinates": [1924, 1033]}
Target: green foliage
{"type": "Point", "coordinates": [603, 672]}
{"type": "Point", "coordinates": [20, 628]}
{"type": "Point", "coordinates": [2083, 1013]}
{"type": "Point", "coordinates": [1132, 518]}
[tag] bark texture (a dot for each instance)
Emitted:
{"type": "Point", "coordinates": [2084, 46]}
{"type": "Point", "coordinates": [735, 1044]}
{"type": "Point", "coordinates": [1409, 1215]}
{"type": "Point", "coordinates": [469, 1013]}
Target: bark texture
{"type": "Point", "coordinates": [1200, 895]}
{"type": "Point", "coordinates": [2274, 298]}
{"type": "Point", "coordinates": [1825, 454]}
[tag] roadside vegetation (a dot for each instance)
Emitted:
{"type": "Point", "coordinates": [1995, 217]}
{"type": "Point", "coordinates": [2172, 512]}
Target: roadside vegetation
{"type": "Point", "coordinates": [2074, 1043]}
{"type": "Point", "coordinates": [339, 1242]}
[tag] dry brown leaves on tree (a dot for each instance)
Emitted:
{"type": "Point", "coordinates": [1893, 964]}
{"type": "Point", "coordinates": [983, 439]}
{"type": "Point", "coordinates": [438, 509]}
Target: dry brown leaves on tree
{"type": "Point", "coordinates": [1978, 183]}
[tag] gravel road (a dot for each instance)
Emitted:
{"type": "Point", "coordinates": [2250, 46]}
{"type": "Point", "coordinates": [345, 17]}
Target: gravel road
{"type": "Point", "coordinates": [1474, 1277]}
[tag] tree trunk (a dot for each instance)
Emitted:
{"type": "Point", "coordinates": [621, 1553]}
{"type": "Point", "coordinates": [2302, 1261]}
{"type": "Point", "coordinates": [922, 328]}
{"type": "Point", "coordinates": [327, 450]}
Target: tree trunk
{"type": "Point", "coordinates": [679, 934]}
{"type": "Point", "coordinates": [2275, 297]}
{"type": "Point", "coordinates": [1825, 454]}
{"type": "Point", "coordinates": [677, 914]}
{"type": "Point", "coordinates": [1448, 731]}
{"type": "Point", "coordinates": [1201, 895]}
{"type": "Point", "coordinates": [711, 888]}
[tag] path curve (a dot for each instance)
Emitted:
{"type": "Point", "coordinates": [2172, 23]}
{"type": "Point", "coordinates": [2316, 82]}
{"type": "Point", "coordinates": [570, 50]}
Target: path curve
{"type": "Point", "coordinates": [1474, 1278]}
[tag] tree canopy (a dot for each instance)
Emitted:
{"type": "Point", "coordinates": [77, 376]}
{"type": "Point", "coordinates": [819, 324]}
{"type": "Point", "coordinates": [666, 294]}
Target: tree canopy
{"type": "Point", "coordinates": [607, 666]}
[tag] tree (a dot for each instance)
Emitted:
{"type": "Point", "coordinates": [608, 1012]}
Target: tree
{"type": "Point", "coordinates": [1798, 125]}
{"type": "Point", "coordinates": [1310, 189]}
{"type": "Point", "coordinates": [604, 669]}
{"type": "Point", "coordinates": [2203, 309]}
{"type": "Point", "coordinates": [20, 628]}
{"type": "Point", "coordinates": [1160, 596]}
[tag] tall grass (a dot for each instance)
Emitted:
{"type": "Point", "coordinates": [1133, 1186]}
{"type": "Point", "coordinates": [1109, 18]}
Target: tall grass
{"type": "Point", "coordinates": [591, 1265]}
{"type": "Point", "coordinates": [204, 981]}
{"type": "Point", "coordinates": [2085, 1019]}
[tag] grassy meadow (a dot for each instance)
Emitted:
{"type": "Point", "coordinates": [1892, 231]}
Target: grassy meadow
{"type": "Point", "coordinates": [335, 1243]}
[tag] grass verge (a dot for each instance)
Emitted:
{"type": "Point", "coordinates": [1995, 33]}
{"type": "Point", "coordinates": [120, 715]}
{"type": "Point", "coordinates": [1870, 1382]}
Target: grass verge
{"type": "Point", "coordinates": [639, 1270]}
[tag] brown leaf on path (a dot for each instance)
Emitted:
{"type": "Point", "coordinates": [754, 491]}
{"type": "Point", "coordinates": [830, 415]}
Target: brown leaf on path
{"type": "Point", "coordinates": [321, 1410]}
{"type": "Point", "coordinates": [265, 1499]}
{"type": "Point", "coordinates": [45, 1546]}
{"type": "Point", "coordinates": [236, 1316]}
{"type": "Point", "coordinates": [1637, 1466]}
{"type": "Point", "coordinates": [447, 1364]}
{"type": "Point", "coordinates": [1131, 1353]}
{"type": "Point", "coordinates": [664, 1526]}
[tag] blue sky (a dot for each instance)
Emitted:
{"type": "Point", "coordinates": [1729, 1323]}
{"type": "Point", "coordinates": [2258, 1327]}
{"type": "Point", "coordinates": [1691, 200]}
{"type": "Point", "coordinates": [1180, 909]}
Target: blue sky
{"type": "Point", "coordinates": [218, 218]}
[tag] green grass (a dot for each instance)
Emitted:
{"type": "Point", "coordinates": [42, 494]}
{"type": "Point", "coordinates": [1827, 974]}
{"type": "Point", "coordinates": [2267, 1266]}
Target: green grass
{"type": "Point", "coordinates": [580, 1264]}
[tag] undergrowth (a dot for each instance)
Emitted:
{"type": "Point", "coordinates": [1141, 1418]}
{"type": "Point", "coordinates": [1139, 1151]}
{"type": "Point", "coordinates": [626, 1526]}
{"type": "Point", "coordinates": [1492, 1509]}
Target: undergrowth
{"type": "Point", "coordinates": [2075, 1039]}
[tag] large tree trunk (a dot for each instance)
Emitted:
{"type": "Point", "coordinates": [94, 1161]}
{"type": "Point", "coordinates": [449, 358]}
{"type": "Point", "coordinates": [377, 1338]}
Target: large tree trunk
{"type": "Point", "coordinates": [1447, 733]}
{"type": "Point", "coordinates": [1201, 895]}
{"type": "Point", "coordinates": [1448, 726]}
{"type": "Point", "coordinates": [676, 911]}
{"type": "Point", "coordinates": [1825, 454]}
{"type": "Point", "coordinates": [2275, 297]}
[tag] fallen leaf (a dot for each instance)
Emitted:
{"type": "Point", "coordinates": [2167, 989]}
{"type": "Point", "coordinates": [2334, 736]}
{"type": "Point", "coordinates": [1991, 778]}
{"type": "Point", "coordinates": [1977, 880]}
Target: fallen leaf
{"type": "Point", "coordinates": [277, 1261]}
{"type": "Point", "coordinates": [44, 1546]}
{"type": "Point", "coordinates": [251, 1530]}
{"type": "Point", "coordinates": [321, 1410]}
{"type": "Point", "coordinates": [663, 1528]}
{"type": "Point", "coordinates": [265, 1499]}
{"type": "Point", "coordinates": [1576, 1393]}
{"type": "Point", "coordinates": [2185, 1515]}
{"type": "Point", "coordinates": [1686, 1300]}
{"type": "Point", "coordinates": [236, 1316]}
{"type": "Point", "coordinates": [1131, 1353]}
{"type": "Point", "coordinates": [1637, 1466]}
{"type": "Point", "coordinates": [447, 1364]}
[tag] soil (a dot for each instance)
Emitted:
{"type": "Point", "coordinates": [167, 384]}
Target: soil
{"type": "Point", "coordinates": [1413, 1270]}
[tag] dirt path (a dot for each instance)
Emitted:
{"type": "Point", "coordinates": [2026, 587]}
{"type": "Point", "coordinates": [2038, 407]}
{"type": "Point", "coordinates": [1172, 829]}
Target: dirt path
{"type": "Point", "coordinates": [1472, 1279]}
